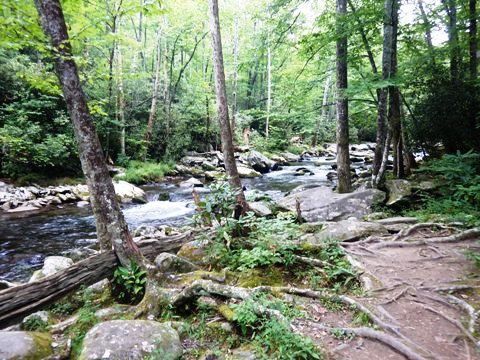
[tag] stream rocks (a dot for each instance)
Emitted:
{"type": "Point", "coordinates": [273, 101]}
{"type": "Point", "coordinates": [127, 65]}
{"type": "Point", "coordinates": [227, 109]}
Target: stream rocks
{"type": "Point", "coordinates": [51, 265]}
{"type": "Point", "coordinates": [31, 198]}
{"type": "Point", "coordinates": [24, 345]}
{"type": "Point", "coordinates": [323, 204]}
{"type": "Point", "coordinates": [260, 162]}
{"type": "Point", "coordinates": [131, 339]}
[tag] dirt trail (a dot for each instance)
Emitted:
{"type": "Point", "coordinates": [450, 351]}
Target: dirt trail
{"type": "Point", "coordinates": [428, 293]}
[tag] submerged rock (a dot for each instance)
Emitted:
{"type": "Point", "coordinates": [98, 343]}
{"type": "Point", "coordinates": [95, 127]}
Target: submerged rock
{"type": "Point", "coordinates": [322, 204]}
{"type": "Point", "coordinates": [24, 345]}
{"type": "Point", "coordinates": [131, 339]}
{"type": "Point", "coordinates": [51, 265]}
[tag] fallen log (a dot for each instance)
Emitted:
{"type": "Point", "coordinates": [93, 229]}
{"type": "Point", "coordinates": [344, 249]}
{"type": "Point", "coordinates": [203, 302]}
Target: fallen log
{"type": "Point", "coordinates": [22, 300]}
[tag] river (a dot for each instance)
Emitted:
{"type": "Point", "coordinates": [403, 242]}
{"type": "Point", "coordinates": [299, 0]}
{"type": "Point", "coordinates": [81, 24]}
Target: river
{"type": "Point", "coordinates": [26, 239]}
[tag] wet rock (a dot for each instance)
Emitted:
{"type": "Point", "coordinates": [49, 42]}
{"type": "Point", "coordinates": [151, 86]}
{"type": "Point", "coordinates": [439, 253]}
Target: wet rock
{"type": "Point", "coordinates": [182, 169]}
{"type": "Point", "coordinates": [24, 345]}
{"type": "Point", "coordinates": [346, 230]}
{"type": "Point", "coordinates": [26, 207]}
{"type": "Point", "coordinates": [82, 204]}
{"type": "Point", "coordinates": [322, 204]}
{"type": "Point", "coordinates": [195, 251]}
{"type": "Point", "coordinates": [170, 263]}
{"type": "Point", "coordinates": [131, 339]}
{"type": "Point", "coordinates": [260, 162]}
{"type": "Point", "coordinates": [280, 160]}
{"type": "Point", "coordinates": [245, 172]}
{"type": "Point", "coordinates": [303, 171]}
{"type": "Point", "coordinates": [51, 265]}
{"type": "Point", "coordinates": [127, 192]}
{"type": "Point", "coordinates": [260, 208]}
{"type": "Point", "coordinates": [191, 183]}
{"type": "Point", "coordinates": [291, 158]}
{"type": "Point", "coordinates": [212, 175]}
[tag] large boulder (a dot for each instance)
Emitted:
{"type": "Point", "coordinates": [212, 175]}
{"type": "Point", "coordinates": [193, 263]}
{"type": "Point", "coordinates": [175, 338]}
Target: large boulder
{"type": "Point", "coordinates": [347, 230]}
{"type": "Point", "coordinates": [170, 263]}
{"type": "Point", "coordinates": [51, 265]}
{"type": "Point", "coordinates": [24, 345]}
{"type": "Point", "coordinates": [260, 162]}
{"type": "Point", "coordinates": [323, 204]}
{"type": "Point", "coordinates": [131, 339]}
{"type": "Point", "coordinates": [290, 157]}
{"type": "Point", "coordinates": [246, 172]}
{"type": "Point", "coordinates": [398, 190]}
{"type": "Point", "coordinates": [127, 193]}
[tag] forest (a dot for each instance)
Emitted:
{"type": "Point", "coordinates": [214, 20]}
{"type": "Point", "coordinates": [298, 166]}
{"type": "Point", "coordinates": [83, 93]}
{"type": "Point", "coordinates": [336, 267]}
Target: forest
{"type": "Point", "coordinates": [239, 179]}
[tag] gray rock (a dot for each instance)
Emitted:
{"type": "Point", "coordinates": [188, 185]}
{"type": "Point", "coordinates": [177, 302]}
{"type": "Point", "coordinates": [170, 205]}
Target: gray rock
{"type": "Point", "coordinates": [245, 172]}
{"type": "Point", "coordinates": [112, 311]}
{"type": "Point", "coordinates": [24, 345]}
{"type": "Point", "coordinates": [26, 207]}
{"type": "Point", "coordinates": [127, 193]}
{"type": "Point", "coordinates": [398, 190]}
{"type": "Point", "coordinates": [190, 183]}
{"type": "Point", "coordinates": [40, 315]}
{"type": "Point", "coordinates": [260, 162]}
{"type": "Point", "coordinates": [170, 263]}
{"type": "Point", "coordinates": [195, 251]}
{"type": "Point", "coordinates": [290, 157]}
{"type": "Point", "coordinates": [131, 339]}
{"type": "Point", "coordinates": [100, 286]}
{"type": "Point", "coordinates": [51, 265]}
{"type": "Point", "coordinates": [82, 204]}
{"type": "Point", "coordinates": [322, 204]}
{"type": "Point", "coordinates": [397, 220]}
{"type": "Point", "coordinates": [346, 230]}
{"type": "Point", "coordinates": [260, 208]}
{"type": "Point", "coordinates": [212, 175]}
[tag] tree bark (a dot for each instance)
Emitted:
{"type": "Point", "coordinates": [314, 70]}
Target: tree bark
{"type": "Point", "coordinates": [153, 108]}
{"type": "Point", "coordinates": [269, 87]}
{"type": "Point", "coordinates": [473, 40]}
{"type": "Point", "coordinates": [111, 226]}
{"type": "Point", "coordinates": [121, 99]}
{"type": "Point", "coordinates": [221, 94]}
{"type": "Point", "coordinates": [343, 156]}
{"type": "Point", "coordinates": [428, 31]}
{"type": "Point", "coordinates": [451, 9]}
{"type": "Point", "coordinates": [236, 41]}
{"type": "Point", "coordinates": [382, 129]}
{"type": "Point", "coordinates": [324, 112]}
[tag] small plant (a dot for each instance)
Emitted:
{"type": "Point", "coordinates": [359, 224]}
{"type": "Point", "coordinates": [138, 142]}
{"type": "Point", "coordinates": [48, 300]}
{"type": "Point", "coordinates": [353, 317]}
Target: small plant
{"type": "Point", "coordinates": [339, 272]}
{"type": "Point", "coordinates": [129, 283]}
{"type": "Point", "coordinates": [218, 205]}
{"type": "Point", "coordinates": [62, 308]}
{"type": "Point", "coordinates": [35, 323]}
{"type": "Point", "coordinates": [341, 334]}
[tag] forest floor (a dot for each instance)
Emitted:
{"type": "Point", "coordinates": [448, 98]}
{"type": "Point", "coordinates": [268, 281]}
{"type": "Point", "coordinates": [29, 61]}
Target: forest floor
{"type": "Point", "coordinates": [423, 292]}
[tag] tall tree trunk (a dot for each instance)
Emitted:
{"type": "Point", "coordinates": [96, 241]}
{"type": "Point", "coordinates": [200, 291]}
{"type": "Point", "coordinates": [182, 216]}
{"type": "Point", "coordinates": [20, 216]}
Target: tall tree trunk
{"type": "Point", "coordinates": [428, 31]}
{"type": "Point", "coordinates": [235, 72]}
{"type": "Point", "coordinates": [343, 156]}
{"type": "Point", "coordinates": [382, 129]}
{"type": "Point", "coordinates": [473, 40]}
{"type": "Point", "coordinates": [324, 112]}
{"type": "Point", "coordinates": [111, 226]}
{"type": "Point", "coordinates": [451, 9]}
{"type": "Point", "coordinates": [156, 85]}
{"type": "Point", "coordinates": [121, 98]}
{"type": "Point", "coordinates": [221, 93]}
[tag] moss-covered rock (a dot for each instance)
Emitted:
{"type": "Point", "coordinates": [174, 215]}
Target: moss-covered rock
{"type": "Point", "coordinates": [195, 251]}
{"type": "Point", "coordinates": [16, 345]}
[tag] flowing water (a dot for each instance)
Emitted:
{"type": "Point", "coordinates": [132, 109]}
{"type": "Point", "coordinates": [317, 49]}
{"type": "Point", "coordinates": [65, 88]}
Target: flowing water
{"type": "Point", "coordinates": [26, 239]}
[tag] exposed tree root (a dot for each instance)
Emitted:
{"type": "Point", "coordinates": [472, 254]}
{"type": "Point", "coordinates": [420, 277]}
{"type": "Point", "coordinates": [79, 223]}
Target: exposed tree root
{"type": "Point", "coordinates": [416, 227]}
{"type": "Point", "coordinates": [399, 295]}
{"type": "Point", "coordinates": [455, 322]}
{"type": "Point", "coordinates": [468, 309]}
{"type": "Point", "coordinates": [463, 236]}
{"type": "Point", "coordinates": [382, 337]}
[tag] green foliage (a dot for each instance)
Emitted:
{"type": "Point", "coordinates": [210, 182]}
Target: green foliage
{"type": "Point", "coordinates": [129, 283]}
{"type": "Point", "coordinates": [143, 172]}
{"type": "Point", "coordinates": [459, 184]}
{"type": "Point", "coordinates": [62, 308]}
{"type": "Point", "coordinates": [474, 256]}
{"type": "Point", "coordinates": [339, 270]}
{"type": "Point", "coordinates": [35, 323]}
{"type": "Point", "coordinates": [271, 337]}
{"type": "Point", "coordinates": [217, 206]}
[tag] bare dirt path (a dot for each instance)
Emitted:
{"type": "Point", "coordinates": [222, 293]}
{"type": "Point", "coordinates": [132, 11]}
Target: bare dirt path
{"type": "Point", "coordinates": [423, 288]}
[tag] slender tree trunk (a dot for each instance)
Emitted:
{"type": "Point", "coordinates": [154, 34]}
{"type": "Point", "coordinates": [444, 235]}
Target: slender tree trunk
{"type": "Point", "coordinates": [382, 129]}
{"type": "Point", "coordinates": [473, 40]}
{"type": "Point", "coordinates": [121, 99]}
{"type": "Point", "coordinates": [428, 31]}
{"type": "Point", "coordinates": [451, 9]}
{"type": "Point", "coordinates": [343, 156]}
{"type": "Point", "coordinates": [156, 86]}
{"type": "Point", "coordinates": [235, 72]}
{"type": "Point", "coordinates": [111, 226]}
{"type": "Point", "coordinates": [324, 112]}
{"type": "Point", "coordinates": [221, 93]}
{"type": "Point", "coordinates": [269, 88]}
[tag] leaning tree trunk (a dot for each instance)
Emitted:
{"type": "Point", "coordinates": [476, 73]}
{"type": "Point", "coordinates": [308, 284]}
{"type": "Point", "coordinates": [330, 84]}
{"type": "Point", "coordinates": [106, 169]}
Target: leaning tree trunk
{"type": "Point", "coordinates": [343, 157]}
{"type": "Point", "coordinates": [111, 226]}
{"type": "Point", "coordinates": [221, 93]}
